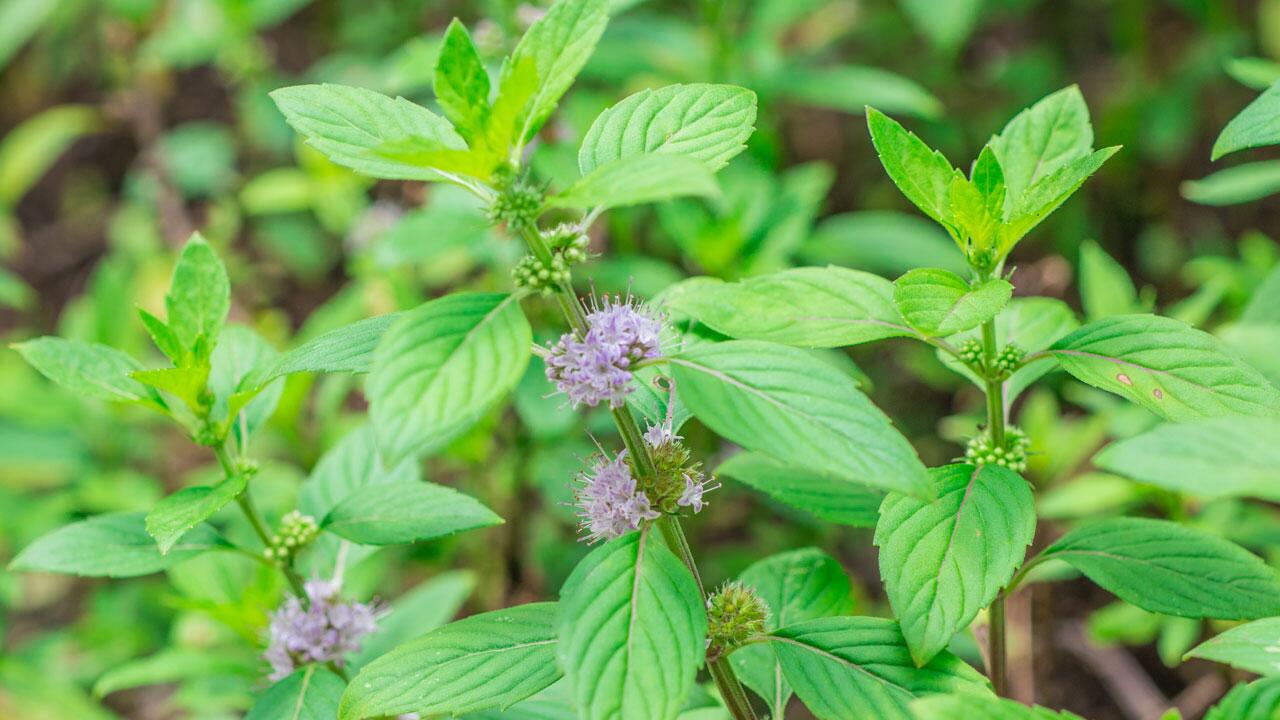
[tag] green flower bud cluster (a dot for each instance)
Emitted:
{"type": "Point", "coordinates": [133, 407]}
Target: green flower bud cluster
{"type": "Point", "coordinates": [532, 274]}
{"type": "Point", "coordinates": [1009, 358]}
{"type": "Point", "coordinates": [735, 613]}
{"type": "Point", "coordinates": [971, 351]}
{"type": "Point", "coordinates": [517, 205]}
{"type": "Point", "coordinates": [568, 247]}
{"type": "Point", "coordinates": [296, 532]}
{"type": "Point", "coordinates": [568, 241]}
{"type": "Point", "coordinates": [982, 450]}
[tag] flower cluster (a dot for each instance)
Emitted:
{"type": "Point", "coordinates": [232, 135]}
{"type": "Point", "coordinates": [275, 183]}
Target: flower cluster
{"type": "Point", "coordinates": [324, 630]}
{"type": "Point", "coordinates": [609, 500]}
{"type": "Point", "coordinates": [597, 367]}
{"type": "Point", "coordinates": [517, 204]}
{"type": "Point", "coordinates": [735, 613]}
{"type": "Point", "coordinates": [982, 450]}
{"type": "Point", "coordinates": [1009, 358]}
{"type": "Point", "coordinates": [612, 502]}
{"type": "Point", "coordinates": [971, 351]}
{"type": "Point", "coordinates": [296, 531]}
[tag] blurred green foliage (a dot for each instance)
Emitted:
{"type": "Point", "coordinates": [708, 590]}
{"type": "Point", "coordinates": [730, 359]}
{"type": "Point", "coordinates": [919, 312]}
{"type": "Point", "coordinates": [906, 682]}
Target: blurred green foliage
{"type": "Point", "coordinates": [129, 123]}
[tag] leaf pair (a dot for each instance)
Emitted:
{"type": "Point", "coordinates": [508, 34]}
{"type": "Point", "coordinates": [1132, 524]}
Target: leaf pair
{"type": "Point", "coordinates": [1023, 174]}
{"type": "Point", "coordinates": [628, 632]}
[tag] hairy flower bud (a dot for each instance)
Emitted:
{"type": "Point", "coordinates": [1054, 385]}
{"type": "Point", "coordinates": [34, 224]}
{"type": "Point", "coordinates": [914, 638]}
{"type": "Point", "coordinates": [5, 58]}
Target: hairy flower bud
{"type": "Point", "coordinates": [678, 482]}
{"type": "Point", "coordinates": [323, 631]}
{"type": "Point", "coordinates": [735, 613]}
{"type": "Point", "coordinates": [517, 204]}
{"type": "Point", "coordinates": [598, 367]}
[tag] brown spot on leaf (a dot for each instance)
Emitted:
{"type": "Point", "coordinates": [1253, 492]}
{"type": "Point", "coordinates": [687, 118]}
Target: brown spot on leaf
{"type": "Point", "coordinates": [1124, 379]}
{"type": "Point", "coordinates": [1158, 393]}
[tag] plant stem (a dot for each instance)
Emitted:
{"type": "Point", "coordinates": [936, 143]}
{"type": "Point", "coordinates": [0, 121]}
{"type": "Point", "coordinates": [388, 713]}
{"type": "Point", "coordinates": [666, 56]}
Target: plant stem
{"type": "Point", "coordinates": [259, 527]}
{"type": "Point", "coordinates": [997, 649]}
{"type": "Point", "coordinates": [731, 690]}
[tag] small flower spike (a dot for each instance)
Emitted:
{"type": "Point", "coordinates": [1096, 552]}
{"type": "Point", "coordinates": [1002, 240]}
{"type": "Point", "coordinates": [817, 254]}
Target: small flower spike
{"type": "Point", "coordinates": [598, 367]}
{"type": "Point", "coordinates": [324, 631]}
{"type": "Point", "coordinates": [608, 500]}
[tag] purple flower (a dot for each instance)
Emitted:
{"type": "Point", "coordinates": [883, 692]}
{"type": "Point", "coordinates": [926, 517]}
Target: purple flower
{"type": "Point", "coordinates": [608, 502]}
{"type": "Point", "coordinates": [693, 489]}
{"type": "Point", "coordinates": [324, 631]}
{"type": "Point", "coordinates": [597, 367]}
{"type": "Point", "coordinates": [658, 435]}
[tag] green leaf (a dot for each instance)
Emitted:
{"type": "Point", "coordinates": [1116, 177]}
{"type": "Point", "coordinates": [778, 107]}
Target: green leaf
{"type": "Point", "coordinates": [112, 545]}
{"type": "Point", "coordinates": [798, 409]}
{"type": "Point", "coordinates": [632, 631]}
{"type": "Point", "coordinates": [944, 561]}
{"type": "Point", "coordinates": [350, 125]}
{"type": "Point", "coordinates": [851, 88]}
{"type": "Point", "coordinates": [1235, 185]}
{"type": "Point", "coordinates": [829, 498]}
{"type": "Point", "coordinates": [490, 660]}
{"type": "Point", "coordinates": [175, 664]}
{"type": "Point", "coordinates": [1258, 700]}
{"type": "Point", "coordinates": [164, 338]}
{"type": "Point", "coordinates": [1167, 568]}
{"type": "Point", "coordinates": [557, 45]}
{"type": "Point", "coordinates": [881, 241]}
{"type": "Point", "coordinates": [1250, 647]}
{"type": "Point", "coordinates": [638, 179]}
{"type": "Point", "coordinates": [1264, 304]}
{"type": "Point", "coordinates": [311, 693]}
{"type": "Point", "coordinates": [1228, 456]}
{"type": "Point", "coordinates": [1257, 125]}
{"type": "Point", "coordinates": [347, 349]}
{"type": "Point", "coordinates": [185, 383]}
{"type": "Point", "coordinates": [921, 173]}
{"type": "Point", "coordinates": [462, 83]}
{"type": "Point", "coordinates": [1047, 195]}
{"type": "Point", "coordinates": [30, 149]}
{"type": "Point", "coordinates": [89, 369]}
{"type": "Point", "coordinates": [405, 512]}
{"type": "Point", "coordinates": [966, 706]}
{"type": "Point", "coordinates": [441, 366]}
{"type": "Point", "coordinates": [1041, 140]}
{"type": "Point", "coordinates": [236, 399]}
{"type": "Point", "coordinates": [199, 298]}
{"type": "Point", "coordinates": [797, 586]}
{"type": "Point", "coordinates": [342, 472]}
{"type": "Point", "coordinates": [426, 607]}
{"type": "Point", "coordinates": [1105, 287]}
{"type": "Point", "coordinates": [859, 667]}
{"type": "Point", "coordinates": [1255, 72]}
{"type": "Point", "coordinates": [517, 83]}
{"type": "Point", "coordinates": [346, 469]}
{"type": "Point", "coordinates": [946, 25]}
{"type": "Point", "coordinates": [1166, 366]}
{"type": "Point", "coordinates": [181, 512]}
{"type": "Point", "coordinates": [939, 302]}
{"type": "Point", "coordinates": [707, 123]}
{"type": "Point", "coordinates": [808, 307]}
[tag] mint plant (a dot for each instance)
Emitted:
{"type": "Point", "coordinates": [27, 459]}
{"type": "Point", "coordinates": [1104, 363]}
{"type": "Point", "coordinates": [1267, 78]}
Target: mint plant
{"type": "Point", "coordinates": [635, 624]}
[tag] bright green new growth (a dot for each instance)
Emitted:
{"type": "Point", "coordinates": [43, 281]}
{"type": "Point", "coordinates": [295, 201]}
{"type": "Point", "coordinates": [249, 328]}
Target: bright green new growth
{"type": "Point", "coordinates": [1022, 175]}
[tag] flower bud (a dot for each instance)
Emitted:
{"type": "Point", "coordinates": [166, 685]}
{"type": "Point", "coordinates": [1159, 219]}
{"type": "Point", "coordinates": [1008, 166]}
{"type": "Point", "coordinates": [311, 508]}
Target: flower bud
{"type": "Point", "coordinates": [735, 613]}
